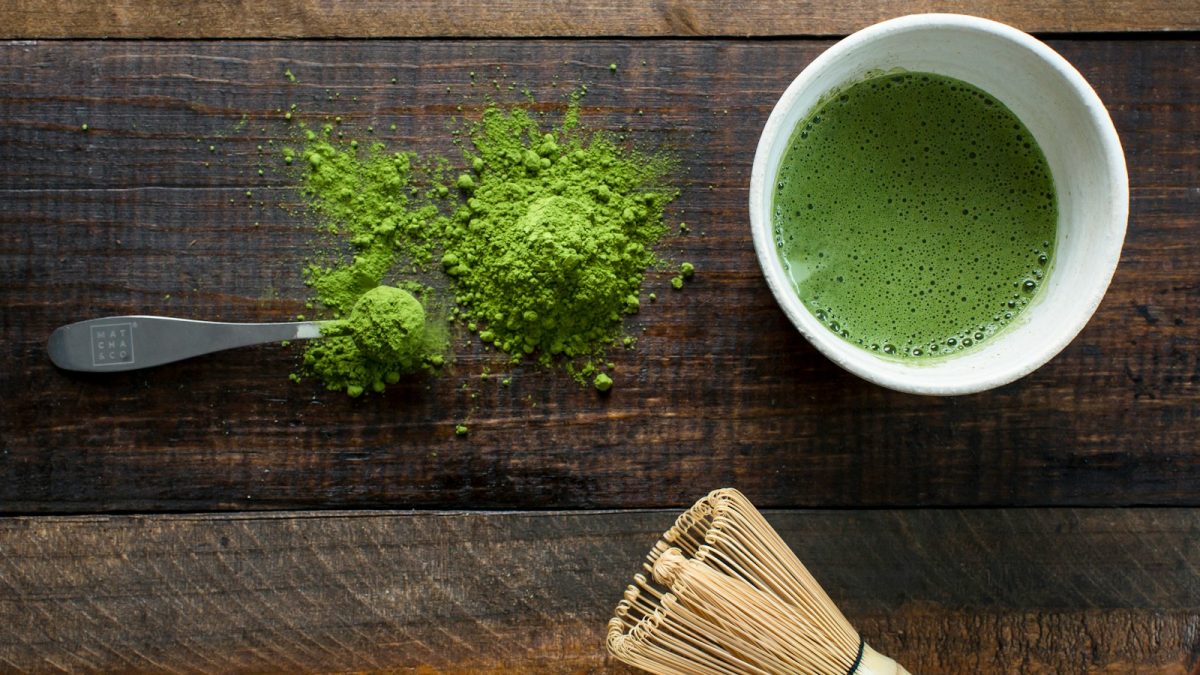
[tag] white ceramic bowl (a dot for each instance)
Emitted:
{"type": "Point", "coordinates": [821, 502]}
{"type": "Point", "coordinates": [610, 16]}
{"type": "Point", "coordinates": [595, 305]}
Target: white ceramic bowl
{"type": "Point", "coordinates": [1081, 146]}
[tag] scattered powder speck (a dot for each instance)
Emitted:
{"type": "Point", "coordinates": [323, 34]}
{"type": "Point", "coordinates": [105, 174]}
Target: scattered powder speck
{"type": "Point", "coordinates": [603, 382]}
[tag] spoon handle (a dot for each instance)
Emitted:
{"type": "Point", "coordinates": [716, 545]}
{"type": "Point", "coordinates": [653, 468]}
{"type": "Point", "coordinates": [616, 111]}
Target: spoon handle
{"type": "Point", "coordinates": [131, 342]}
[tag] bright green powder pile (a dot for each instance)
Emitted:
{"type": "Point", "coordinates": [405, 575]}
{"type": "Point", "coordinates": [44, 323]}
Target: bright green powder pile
{"type": "Point", "coordinates": [550, 238]}
{"type": "Point", "coordinates": [366, 197]}
{"type": "Point", "coordinates": [549, 250]}
{"type": "Point", "coordinates": [384, 337]}
{"type": "Point", "coordinates": [387, 324]}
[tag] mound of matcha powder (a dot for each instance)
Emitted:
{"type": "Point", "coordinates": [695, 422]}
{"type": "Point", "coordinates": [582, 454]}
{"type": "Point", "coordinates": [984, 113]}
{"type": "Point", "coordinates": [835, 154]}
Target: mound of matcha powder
{"type": "Point", "coordinates": [550, 247]}
{"type": "Point", "coordinates": [388, 324]}
{"type": "Point", "coordinates": [384, 337]}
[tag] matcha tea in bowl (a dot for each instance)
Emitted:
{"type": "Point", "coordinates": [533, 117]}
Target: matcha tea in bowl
{"type": "Point", "coordinates": [938, 203]}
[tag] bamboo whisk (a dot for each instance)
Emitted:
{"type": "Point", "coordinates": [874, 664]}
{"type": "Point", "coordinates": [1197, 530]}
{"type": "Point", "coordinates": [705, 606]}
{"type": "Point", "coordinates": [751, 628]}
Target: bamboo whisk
{"type": "Point", "coordinates": [737, 601]}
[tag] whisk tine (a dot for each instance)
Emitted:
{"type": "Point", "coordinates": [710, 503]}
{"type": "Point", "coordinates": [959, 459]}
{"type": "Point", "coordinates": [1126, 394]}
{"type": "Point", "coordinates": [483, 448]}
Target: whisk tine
{"type": "Point", "coordinates": [739, 601]}
{"type": "Point", "coordinates": [677, 640]}
{"type": "Point", "coordinates": [751, 549]}
{"type": "Point", "coordinates": [777, 631]}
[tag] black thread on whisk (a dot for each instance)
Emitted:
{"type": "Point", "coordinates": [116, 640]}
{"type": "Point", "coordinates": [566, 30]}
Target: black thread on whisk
{"type": "Point", "coordinates": [858, 659]}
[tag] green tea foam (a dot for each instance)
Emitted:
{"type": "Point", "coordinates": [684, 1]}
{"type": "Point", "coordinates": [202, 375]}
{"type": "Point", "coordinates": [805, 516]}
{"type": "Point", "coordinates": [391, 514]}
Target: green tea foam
{"type": "Point", "coordinates": [915, 214]}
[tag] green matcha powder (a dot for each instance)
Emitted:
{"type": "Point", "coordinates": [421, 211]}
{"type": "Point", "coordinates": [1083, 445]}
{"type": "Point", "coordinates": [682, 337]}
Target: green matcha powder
{"type": "Point", "coordinates": [550, 247]}
{"type": "Point", "coordinates": [546, 245]}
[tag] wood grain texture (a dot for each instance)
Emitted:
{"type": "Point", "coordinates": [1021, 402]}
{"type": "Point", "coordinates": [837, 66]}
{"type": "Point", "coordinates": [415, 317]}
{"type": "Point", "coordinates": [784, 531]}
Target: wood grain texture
{"type": "Point", "coordinates": [137, 215]}
{"type": "Point", "coordinates": [981, 591]}
{"type": "Point", "coordinates": [559, 18]}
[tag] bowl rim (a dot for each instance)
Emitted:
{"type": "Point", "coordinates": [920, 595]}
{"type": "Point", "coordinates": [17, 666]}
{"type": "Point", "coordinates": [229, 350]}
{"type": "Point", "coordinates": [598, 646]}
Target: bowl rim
{"type": "Point", "coordinates": [849, 356]}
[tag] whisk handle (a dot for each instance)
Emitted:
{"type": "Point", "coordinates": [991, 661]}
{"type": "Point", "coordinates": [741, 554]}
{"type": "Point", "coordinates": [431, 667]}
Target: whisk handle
{"type": "Point", "coordinates": [874, 663]}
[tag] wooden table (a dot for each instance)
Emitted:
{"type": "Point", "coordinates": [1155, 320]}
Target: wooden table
{"type": "Point", "coordinates": [213, 516]}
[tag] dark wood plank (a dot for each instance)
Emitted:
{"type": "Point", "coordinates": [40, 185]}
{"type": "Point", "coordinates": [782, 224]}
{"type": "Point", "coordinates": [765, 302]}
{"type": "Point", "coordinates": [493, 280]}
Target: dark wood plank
{"type": "Point", "coordinates": [984, 591]}
{"type": "Point", "coordinates": [559, 18]}
{"type": "Point", "coordinates": [721, 390]}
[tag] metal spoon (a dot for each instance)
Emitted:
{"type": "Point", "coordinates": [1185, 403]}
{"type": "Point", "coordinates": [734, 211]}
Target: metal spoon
{"type": "Point", "coordinates": [131, 342]}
